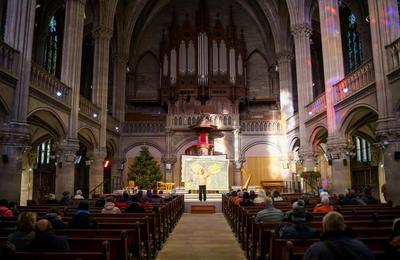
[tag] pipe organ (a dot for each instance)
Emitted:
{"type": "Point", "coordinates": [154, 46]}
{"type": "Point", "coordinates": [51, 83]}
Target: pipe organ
{"type": "Point", "coordinates": [202, 62]}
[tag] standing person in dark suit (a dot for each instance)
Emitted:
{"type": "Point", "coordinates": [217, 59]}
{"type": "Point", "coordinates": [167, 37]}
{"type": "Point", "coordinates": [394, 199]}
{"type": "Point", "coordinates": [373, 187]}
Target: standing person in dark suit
{"type": "Point", "coordinates": [202, 180]}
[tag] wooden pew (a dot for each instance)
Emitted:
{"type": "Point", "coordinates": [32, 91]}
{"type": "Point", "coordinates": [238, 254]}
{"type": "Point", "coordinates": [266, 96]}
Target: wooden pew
{"type": "Point", "coordinates": [104, 254]}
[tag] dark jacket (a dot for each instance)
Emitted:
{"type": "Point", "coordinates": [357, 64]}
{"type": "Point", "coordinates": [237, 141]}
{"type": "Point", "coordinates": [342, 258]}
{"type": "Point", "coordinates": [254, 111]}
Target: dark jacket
{"type": "Point", "coordinates": [49, 242]}
{"type": "Point", "coordinates": [82, 219]}
{"type": "Point", "coordinates": [338, 245]}
{"type": "Point", "coordinates": [134, 208]}
{"type": "Point", "coordinates": [298, 230]}
{"type": "Point", "coordinates": [21, 240]}
{"type": "Point", "coordinates": [55, 220]}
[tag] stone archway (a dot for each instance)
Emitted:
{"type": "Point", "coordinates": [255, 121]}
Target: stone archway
{"type": "Point", "coordinates": [359, 127]}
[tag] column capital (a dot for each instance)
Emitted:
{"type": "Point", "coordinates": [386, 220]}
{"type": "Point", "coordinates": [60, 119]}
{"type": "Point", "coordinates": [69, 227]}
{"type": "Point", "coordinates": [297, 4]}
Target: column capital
{"type": "Point", "coordinates": [284, 56]}
{"type": "Point", "coordinates": [301, 30]}
{"type": "Point", "coordinates": [102, 32]}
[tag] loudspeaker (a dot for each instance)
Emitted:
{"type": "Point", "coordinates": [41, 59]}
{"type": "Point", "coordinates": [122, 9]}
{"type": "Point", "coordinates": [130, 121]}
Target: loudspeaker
{"type": "Point", "coordinates": [345, 162]}
{"type": "Point", "coordinates": [329, 162]}
{"type": "Point", "coordinates": [397, 155]}
{"type": "Point", "coordinates": [4, 158]}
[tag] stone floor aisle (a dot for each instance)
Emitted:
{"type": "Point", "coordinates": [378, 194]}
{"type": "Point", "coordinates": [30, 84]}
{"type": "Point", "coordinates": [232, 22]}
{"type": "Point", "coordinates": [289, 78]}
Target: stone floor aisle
{"type": "Point", "coordinates": [201, 236]}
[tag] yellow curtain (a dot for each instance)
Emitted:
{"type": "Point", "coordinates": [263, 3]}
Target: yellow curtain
{"type": "Point", "coordinates": [264, 168]}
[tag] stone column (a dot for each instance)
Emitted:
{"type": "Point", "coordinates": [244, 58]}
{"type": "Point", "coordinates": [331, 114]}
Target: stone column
{"type": "Point", "coordinates": [121, 62]}
{"type": "Point", "coordinates": [341, 177]}
{"type": "Point", "coordinates": [302, 33]}
{"type": "Point", "coordinates": [97, 169]}
{"type": "Point", "coordinates": [102, 36]}
{"type": "Point", "coordinates": [65, 171]}
{"type": "Point", "coordinates": [334, 72]}
{"type": "Point", "coordinates": [285, 84]}
{"type": "Point", "coordinates": [384, 24]}
{"type": "Point", "coordinates": [14, 137]}
{"type": "Point", "coordinates": [71, 76]}
{"type": "Point", "coordinates": [19, 35]}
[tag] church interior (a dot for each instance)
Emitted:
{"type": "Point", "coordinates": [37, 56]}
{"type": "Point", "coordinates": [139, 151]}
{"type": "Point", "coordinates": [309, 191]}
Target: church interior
{"type": "Point", "coordinates": [297, 100]}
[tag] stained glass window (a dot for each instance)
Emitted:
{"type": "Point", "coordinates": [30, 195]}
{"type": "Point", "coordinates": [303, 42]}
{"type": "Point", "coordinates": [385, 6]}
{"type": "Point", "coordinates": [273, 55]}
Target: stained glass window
{"type": "Point", "coordinates": [52, 57]}
{"type": "Point", "coordinates": [363, 150]}
{"type": "Point", "coordinates": [43, 153]}
{"type": "Point", "coordinates": [354, 46]}
{"type": "Point", "coordinates": [398, 6]}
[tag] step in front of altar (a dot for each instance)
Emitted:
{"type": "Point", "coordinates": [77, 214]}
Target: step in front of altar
{"type": "Point", "coordinates": [203, 209]}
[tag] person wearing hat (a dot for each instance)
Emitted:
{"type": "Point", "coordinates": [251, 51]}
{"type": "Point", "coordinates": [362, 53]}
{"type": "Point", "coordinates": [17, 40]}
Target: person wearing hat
{"type": "Point", "coordinates": [299, 228]}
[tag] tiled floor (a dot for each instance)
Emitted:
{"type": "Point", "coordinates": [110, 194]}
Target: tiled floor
{"type": "Point", "coordinates": [201, 236]}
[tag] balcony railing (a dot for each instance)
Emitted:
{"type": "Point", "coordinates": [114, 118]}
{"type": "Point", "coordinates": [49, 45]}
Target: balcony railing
{"type": "Point", "coordinates": [316, 107]}
{"type": "Point", "coordinates": [356, 80]}
{"type": "Point", "coordinates": [142, 127]}
{"type": "Point", "coordinates": [393, 51]}
{"type": "Point", "coordinates": [112, 124]}
{"type": "Point", "coordinates": [87, 108]}
{"type": "Point", "coordinates": [50, 85]}
{"type": "Point", "coordinates": [8, 58]}
{"type": "Point", "coordinates": [273, 126]}
{"type": "Point", "coordinates": [184, 121]}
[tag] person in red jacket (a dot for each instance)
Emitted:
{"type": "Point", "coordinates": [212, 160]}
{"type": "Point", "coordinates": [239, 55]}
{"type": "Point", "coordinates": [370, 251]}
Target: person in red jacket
{"type": "Point", "coordinates": [4, 210]}
{"type": "Point", "coordinates": [324, 206]}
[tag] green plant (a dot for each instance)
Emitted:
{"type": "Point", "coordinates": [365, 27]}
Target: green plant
{"type": "Point", "coordinates": [145, 171]}
{"type": "Point", "coordinates": [310, 175]}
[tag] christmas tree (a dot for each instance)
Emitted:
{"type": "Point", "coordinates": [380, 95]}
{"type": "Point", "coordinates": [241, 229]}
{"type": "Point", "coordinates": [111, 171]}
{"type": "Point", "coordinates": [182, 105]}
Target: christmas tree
{"type": "Point", "coordinates": [145, 171]}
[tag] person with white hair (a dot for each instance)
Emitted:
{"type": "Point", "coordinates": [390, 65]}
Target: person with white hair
{"type": "Point", "coordinates": [324, 206]}
{"type": "Point", "coordinates": [260, 197]}
{"type": "Point", "coordinates": [79, 195]}
{"type": "Point", "coordinates": [269, 214]}
{"type": "Point", "coordinates": [336, 242]}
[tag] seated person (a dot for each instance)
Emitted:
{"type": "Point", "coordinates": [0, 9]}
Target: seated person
{"type": "Point", "coordinates": [393, 250]}
{"type": "Point", "coordinates": [134, 208]}
{"type": "Point", "coordinates": [233, 196]}
{"type": "Point", "coordinates": [155, 198]}
{"type": "Point", "coordinates": [46, 241]}
{"type": "Point", "coordinates": [100, 202]}
{"type": "Point", "coordinates": [25, 233]}
{"type": "Point", "coordinates": [4, 210]}
{"type": "Point", "coordinates": [145, 203]}
{"type": "Point", "coordinates": [336, 243]}
{"type": "Point", "coordinates": [65, 198]}
{"type": "Point", "coordinates": [276, 196]}
{"type": "Point", "coordinates": [295, 205]}
{"type": "Point", "coordinates": [79, 195]}
{"type": "Point", "coordinates": [299, 228]}
{"type": "Point", "coordinates": [51, 199]}
{"type": "Point", "coordinates": [55, 218]}
{"type": "Point", "coordinates": [110, 208]}
{"type": "Point", "coordinates": [82, 217]}
{"type": "Point", "coordinates": [253, 195]}
{"type": "Point", "coordinates": [246, 200]}
{"type": "Point", "coordinates": [323, 207]}
{"type": "Point", "coordinates": [269, 214]}
{"type": "Point", "coordinates": [121, 203]}
{"type": "Point", "coordinates": [260, 197]}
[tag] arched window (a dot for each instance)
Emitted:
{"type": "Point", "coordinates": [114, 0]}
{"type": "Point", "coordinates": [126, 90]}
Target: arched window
{"type": "Point", "coordinates": [53, 50]}
{"type": "Point", "coordinates": [351, 42]}
{"type": "Point", "coordinates": [43, 157]}
{"type": "Point", "coordinates": [354, 47]}
{"type": "Point", "coordinates": [363, 149]}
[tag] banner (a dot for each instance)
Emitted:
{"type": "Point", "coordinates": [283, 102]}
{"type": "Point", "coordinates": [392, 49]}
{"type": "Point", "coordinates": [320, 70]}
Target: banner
{"type": "Point", "coordinates": [216, 169]}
